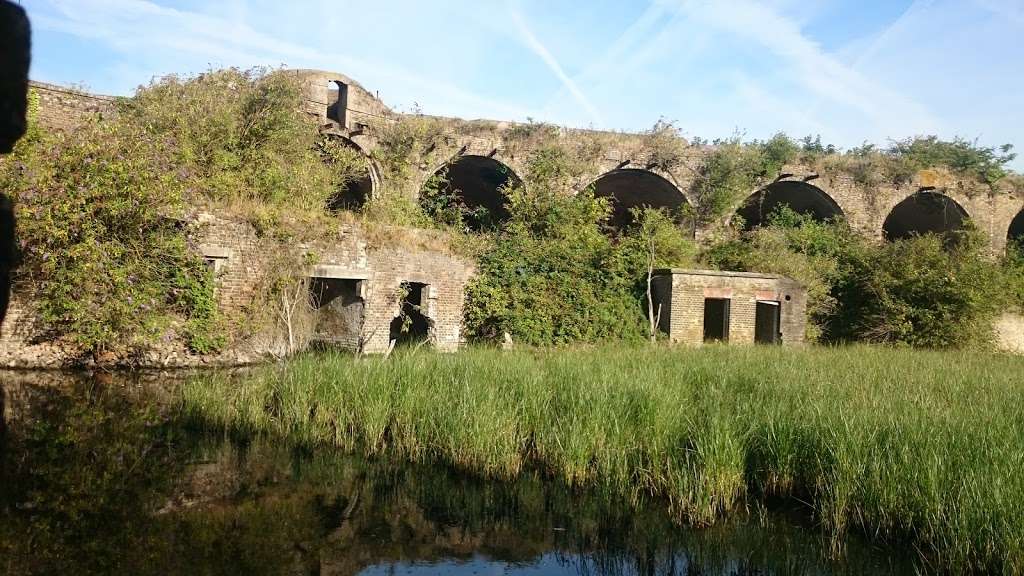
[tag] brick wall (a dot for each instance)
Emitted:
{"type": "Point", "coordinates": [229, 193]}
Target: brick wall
{"type": "Point", "coordinates": [243, 262]}
{"type": "Point", "coordinates": [683, 293]}
{"type": "Point", "coordinates": [65, 108]}
{"type": "Point", "coordinates": [1009, 329]}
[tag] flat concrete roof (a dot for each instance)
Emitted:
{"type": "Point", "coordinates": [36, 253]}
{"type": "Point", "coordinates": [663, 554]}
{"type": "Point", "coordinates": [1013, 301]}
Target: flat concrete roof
{"type": "Point", "coordinates": [720, 273]}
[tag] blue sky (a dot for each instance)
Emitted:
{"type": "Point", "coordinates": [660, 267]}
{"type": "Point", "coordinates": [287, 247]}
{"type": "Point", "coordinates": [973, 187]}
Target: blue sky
{"type": "Point", "coordinates": [852, 71]}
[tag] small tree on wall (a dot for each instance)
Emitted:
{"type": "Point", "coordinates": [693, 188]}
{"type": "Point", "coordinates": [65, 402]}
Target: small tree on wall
{"type": "Point", "coordinates": [294, 298]}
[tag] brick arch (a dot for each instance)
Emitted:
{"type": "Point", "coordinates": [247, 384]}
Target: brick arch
{"type": "Point", "coordinates": [923, 211]}
{"type": "Point", "coordinates": [476, 181]}
{"type": "Point", "coordinates": [356, 193]}
{"type": "Point", "coordinates": [629, 188]}
{"type": "Point", "coordinates": [800, 194]}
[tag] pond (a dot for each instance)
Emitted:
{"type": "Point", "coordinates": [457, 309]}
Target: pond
{"type": "Point", "coordinates": [103, 475]}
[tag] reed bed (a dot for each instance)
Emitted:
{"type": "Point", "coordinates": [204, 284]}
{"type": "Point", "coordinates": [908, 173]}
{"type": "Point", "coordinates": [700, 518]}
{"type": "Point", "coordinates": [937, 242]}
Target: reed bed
{"type": "Point", "coordinates": [917, 446]}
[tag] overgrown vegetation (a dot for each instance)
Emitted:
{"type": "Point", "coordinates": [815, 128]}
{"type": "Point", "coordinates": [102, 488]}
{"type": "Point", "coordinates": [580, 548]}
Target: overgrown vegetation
{"type": "Point", "coordinates": [552, 275]}
{"type": "Point", "coordinates": [924, 291]}
{"type": "Point", "coordinates": [735, 168]}
{"type": "Point", "coordinates": [899, 444]}
{"type": "Point", "coordinates": [105, 210]}
{"type": "Point", "coordinates": [103, 247]}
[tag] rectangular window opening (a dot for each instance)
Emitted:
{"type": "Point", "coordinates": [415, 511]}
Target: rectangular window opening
{"type": "Point", "coordinates": [716, 319]}
{"type": "Point", "coordinates": [767, 322]}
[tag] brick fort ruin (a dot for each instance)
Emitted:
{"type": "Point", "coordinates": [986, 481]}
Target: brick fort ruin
{"type": "Point", "coordinates": [358, 287]}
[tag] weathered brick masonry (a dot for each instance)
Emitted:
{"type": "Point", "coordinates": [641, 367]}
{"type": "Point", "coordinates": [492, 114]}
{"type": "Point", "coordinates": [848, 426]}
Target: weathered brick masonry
{"type": "Point", "coordinates": [243, 261]}
{"type": "Point", "coordinates": [63, 108]}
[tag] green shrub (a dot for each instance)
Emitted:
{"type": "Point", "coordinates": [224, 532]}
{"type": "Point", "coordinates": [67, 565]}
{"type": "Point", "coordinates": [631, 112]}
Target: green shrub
{"type": "Point", "coordinates": [104, 251]}
{"type": "Point", "coordinates": [552, 275]}
{"type": "Point", "coordinates": [922, 291]}
{"type": "Point", "coordinates": [1013, 267]}
{"type": "Point", "coordinates": [989, 164]}
{"type": "Point", "coordinates": [734, 170]}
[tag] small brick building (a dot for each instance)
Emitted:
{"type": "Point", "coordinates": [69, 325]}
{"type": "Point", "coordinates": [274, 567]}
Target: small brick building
{"type": "Point", "coordinates": [699, 306]}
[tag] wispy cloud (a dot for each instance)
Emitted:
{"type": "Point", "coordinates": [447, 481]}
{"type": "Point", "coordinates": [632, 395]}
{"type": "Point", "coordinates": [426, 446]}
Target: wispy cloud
{"type": "Point", "coordinates": [1012, 10]}
{"type": "Point", "coordinates": [827, 77]}
{"type": "Point", "coordinates": [168, 34]}
{"type": "Point", "coordinates": [538, 48]}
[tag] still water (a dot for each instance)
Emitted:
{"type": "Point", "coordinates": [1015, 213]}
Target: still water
{"type": "Point", "coordinates": [104, 475]}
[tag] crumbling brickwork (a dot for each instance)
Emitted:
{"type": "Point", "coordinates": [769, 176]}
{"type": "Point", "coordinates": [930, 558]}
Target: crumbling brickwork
{"type": "Point", "coordinates": [63, 108]}
{"type": "Point", "coordinates": [682, 295]}
{"type": "Point", "coordinates": [345, 108]}
{"type": "Point", "coordinates": [865, 207]}
{"type": "Point", "coordinates": [243, 262]}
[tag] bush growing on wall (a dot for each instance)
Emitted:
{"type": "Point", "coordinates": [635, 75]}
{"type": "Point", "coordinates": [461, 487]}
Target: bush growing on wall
{"type": "Point", "coordinates": [101, 211]}
{"type": "Point", "coordinates": [921, 291]}
{"type": "Point", "coordinates": [552, 276]}
{"type": "Point", "coordinates": [735, 169]}
{"type": "Point", "coordinates": [103, 250]}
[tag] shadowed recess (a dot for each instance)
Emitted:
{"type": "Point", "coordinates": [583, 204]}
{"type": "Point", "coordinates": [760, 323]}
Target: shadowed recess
{"type": "Point", "coordinates": [1016, 232]}
{"type": "Point", "coordinates": [922, 213]}
{"type": "Point", "coordinates": [633, 188]}
{"type": "Point", "coordinates": [354, 192]}
{"type": "Point", "coordinates": [476, 184]}
{"type": "Point", "coordinates": [800, 197]}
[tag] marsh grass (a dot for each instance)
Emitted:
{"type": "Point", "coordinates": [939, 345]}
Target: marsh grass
{"type": "Point", "coordinates": [900, 444]}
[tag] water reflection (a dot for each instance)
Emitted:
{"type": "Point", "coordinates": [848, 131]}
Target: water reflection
{"type": "Point", "coordinates": [105, 477]}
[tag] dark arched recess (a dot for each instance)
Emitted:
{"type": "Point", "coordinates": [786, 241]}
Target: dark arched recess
{"type": "Point", "coordinates": [477, 185]}
{"type": "Point", "coordinates": [801, 197]}
{"type": "Point", "coordinates": [353, 193]}
{"type": "Point", "coordinates": [1015, 235]}
{"type": "Point", "coordinates": [924, 212]}
{"type": "Point", "coordinates": [633, 188]}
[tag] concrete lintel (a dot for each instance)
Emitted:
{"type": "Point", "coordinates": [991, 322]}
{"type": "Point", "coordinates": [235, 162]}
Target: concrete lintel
{"type": "Point", "coordinates": [215, 251]}
{"type": "Point", "coordinates": [720, 273]}
{"type": "Point", "coordinates": [339, 272]}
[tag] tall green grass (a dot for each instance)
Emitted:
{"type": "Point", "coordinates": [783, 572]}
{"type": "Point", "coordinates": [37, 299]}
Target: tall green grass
{"type": "Point", "coordinates": [927, 446]}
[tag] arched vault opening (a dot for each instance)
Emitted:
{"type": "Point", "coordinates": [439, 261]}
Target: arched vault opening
{"type": "Point", "coordinates": [800, 197]}
{"type": "Point", "coordinates": [634, 188]}
{"type": "Point", "coordinates": [355, 185]}
{"type": "Point", "coordinates": [474, 186]}
{"type": "Point", "coordinates": [924, 212]}
{"type": "Point", "coordinates": [1015, 235]}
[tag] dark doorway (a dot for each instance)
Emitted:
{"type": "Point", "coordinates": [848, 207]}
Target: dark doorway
{"type": "Point", "coordinates": [716, 319]}
{"type": "Point", "coordinates": [767, 320]}
{"type": "Point", "coordinates": [800, 197]}
{"type": "Point", "coordinates": [411, 326]}
{"type": "Point", "coordinates": [337, 101]}
{"type": "Point", "coordinates": [339, 312]}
